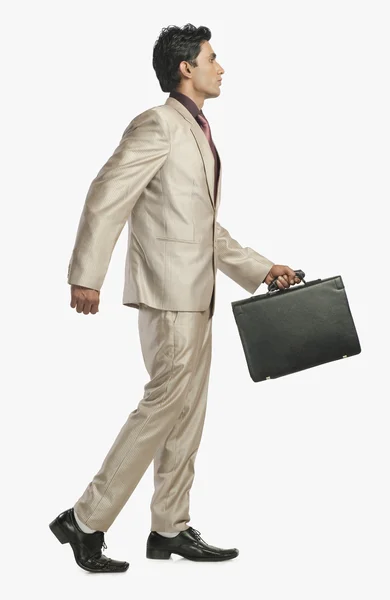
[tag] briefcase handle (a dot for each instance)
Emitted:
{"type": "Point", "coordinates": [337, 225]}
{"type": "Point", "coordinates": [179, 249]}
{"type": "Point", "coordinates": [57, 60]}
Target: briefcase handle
{"type": "Point", "coordinates": [272, 287]}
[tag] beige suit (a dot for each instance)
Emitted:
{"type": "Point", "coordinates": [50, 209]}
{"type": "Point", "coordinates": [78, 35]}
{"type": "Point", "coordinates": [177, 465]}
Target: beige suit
{"type": "Point", "coordinates": [160, 180]}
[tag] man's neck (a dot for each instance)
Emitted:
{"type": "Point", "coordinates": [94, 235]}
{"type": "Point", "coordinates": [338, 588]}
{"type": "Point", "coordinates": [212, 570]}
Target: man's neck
{"type": "Point", "coordinates": [199, 100]}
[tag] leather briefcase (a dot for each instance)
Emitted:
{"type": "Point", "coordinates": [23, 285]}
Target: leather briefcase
{"type": "Point", "coordinates": [303, 326]}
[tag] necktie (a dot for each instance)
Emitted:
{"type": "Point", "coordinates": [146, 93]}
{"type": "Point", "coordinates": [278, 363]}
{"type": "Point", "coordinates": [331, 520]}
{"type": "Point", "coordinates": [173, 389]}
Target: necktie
{"type": "Point", "coordinates": [204, 124]}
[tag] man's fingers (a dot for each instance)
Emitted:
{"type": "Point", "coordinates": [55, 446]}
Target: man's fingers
{"type": "Point", "coordinates": [291, 277]}
{"type": "Point", "coordinates": [80, 306]}
{"type": "Point", "coordinates": [87, 308]}
{"type": "Point", "coordinates": [86, 302]}
{"type": "Point", "coordinates": [287, 278]}
{"type": "Point", "coordinates": [290, 273]}
{"type": "Point", "coordinates": [282, 281]}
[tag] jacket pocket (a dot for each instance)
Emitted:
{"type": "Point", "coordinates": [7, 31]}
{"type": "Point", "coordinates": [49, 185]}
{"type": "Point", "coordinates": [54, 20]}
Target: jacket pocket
{"type": "Point", "coordinates": [170, 239]}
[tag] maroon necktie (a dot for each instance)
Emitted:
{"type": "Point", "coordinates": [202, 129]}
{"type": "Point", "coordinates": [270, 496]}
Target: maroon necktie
{"type": "Point", "coordinates": [204, 124]}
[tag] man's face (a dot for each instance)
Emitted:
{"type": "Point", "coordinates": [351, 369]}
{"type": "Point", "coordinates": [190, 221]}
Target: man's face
{"type": "Point", "coordinates": [207, 75]}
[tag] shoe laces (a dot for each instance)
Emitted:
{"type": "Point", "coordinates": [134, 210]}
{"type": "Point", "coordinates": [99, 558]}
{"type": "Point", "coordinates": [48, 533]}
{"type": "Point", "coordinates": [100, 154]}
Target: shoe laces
{"type": "Point", "coordinates": [98, 553]}
{"type": "Point", "coordinates": [196, 534]}
{"type": "Point", "coordinates": [102, 543]}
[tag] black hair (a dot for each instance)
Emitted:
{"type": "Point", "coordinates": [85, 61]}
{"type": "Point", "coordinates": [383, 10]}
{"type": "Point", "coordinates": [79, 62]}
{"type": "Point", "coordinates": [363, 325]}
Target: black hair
{"type": "Point", "coordinates": [173, 45]}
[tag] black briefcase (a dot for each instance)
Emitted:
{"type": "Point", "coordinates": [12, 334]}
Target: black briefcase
{"type": "Point", "coordinates": [303, 326]}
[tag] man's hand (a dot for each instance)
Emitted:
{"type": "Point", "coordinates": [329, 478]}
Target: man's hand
{"type": "Point", "coordinates": [84, 299]}
{"type": "Point", "coordinates": [285, 276]}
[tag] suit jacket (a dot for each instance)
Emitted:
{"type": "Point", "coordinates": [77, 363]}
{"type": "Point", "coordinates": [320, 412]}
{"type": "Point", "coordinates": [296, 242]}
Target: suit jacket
{"type": "Point", "coordinates": [160, 179]}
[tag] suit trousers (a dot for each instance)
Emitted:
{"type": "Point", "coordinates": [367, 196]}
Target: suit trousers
{"type": "Point", "coordinates": [166, 426]}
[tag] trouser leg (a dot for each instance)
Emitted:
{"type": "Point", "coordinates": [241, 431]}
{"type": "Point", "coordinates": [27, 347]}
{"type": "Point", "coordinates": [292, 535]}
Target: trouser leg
{"type": "Point", "coordinates": [169, 343]}
{"type": "Point", "coordinates": [174, 460]}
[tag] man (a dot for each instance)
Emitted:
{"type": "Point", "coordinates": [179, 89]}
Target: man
{"type": "Point", "coordinates": [164, 179]}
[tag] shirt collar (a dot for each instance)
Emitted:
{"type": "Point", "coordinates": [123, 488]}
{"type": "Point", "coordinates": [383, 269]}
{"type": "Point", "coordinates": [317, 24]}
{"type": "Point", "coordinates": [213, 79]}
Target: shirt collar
{"type": "Point", "coordinates": [187, 102]}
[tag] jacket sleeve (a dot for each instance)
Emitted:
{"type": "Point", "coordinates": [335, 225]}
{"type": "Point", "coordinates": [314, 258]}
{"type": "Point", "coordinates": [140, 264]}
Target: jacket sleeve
{"type": "Point", "coordinates": [244, 265]}
{"type": "Point", "coordinates": [142, 151]}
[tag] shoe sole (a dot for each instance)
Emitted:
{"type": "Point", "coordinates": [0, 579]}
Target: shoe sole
{"type": "Point", "coordinates": [166, 555]}
{"type": "Point", "coordinates": [62, 537]}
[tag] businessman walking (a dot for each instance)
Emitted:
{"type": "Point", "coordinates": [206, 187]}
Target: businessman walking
{"type": "Point", "coordinates": [164, 180]}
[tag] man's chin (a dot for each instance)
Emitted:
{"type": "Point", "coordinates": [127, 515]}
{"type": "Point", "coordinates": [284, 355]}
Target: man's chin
{"type": "Point", "coordinates": [213, 94]}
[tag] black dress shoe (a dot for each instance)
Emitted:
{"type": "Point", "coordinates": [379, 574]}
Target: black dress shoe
{"type": "Point", "coordinates": [188, 544]}
{"type": "Point", "coordinates": [86, 546]}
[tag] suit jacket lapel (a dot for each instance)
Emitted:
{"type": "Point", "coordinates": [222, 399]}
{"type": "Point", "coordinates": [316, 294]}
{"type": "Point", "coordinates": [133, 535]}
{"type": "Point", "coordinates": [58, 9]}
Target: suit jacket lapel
{"type": "Point", "coordinates": [203, 145]}
{"type": "Point", "coordinates": [218, 198]}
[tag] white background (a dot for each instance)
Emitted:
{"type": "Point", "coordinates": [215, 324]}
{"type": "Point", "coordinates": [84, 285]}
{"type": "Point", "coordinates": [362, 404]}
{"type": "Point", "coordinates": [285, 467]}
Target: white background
{"type": "Point", "coordinates": [295, 471]}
